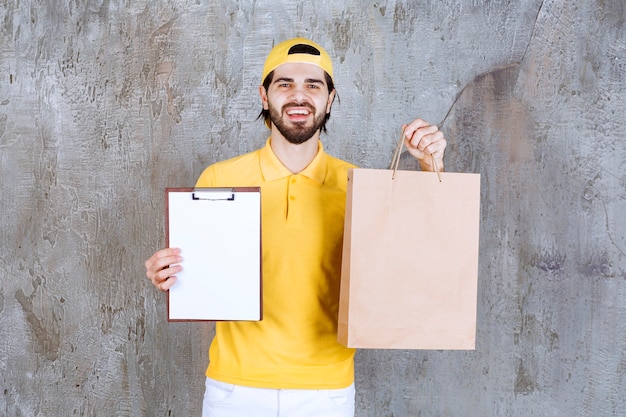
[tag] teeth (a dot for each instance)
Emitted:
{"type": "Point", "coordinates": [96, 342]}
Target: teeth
{"type": "Point", "coordinates": [294, 112]}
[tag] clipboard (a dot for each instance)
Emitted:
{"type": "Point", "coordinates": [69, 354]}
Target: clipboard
{"type": "Point", "coordinates": [219, 233]}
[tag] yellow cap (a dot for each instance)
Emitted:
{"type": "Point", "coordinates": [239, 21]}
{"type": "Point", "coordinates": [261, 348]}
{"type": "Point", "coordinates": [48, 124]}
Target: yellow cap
{"type": "Point", "coordinates": [298, 50]}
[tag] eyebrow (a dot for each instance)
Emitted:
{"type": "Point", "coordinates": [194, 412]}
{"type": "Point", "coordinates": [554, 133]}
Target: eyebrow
{"type": "Point", "coordinates": [306, 81]}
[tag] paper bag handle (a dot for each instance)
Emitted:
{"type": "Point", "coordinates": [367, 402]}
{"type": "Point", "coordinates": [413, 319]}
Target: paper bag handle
{"type": "Point", "coordinates": [395, 160]}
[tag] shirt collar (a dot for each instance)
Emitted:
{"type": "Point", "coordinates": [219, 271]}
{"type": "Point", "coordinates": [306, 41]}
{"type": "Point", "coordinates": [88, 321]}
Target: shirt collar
{"type": "Point", "coordinates": [273, 169]}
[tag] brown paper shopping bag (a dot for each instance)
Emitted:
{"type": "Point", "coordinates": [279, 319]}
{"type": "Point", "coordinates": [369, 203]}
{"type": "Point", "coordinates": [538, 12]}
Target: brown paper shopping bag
{"type": "Point", "coordinates": [410, 260]}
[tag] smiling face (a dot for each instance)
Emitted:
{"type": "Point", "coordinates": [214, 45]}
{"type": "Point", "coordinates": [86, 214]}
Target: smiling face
{"type": "Point", "coordinates": [297, 100]}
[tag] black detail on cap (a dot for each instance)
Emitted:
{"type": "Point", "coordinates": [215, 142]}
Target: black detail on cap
{"type": "Point", "coordinates": [303, 49]}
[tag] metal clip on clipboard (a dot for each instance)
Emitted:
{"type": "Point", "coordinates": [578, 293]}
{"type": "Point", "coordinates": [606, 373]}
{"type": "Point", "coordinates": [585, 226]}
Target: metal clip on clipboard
{"type": "Point", "coordinates": [213, 194]}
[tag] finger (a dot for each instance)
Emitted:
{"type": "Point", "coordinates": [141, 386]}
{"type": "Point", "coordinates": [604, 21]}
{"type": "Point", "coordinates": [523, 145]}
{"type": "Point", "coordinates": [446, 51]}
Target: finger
{"type": "Point", "coordinates": [429, 151]}
{"type": "Point", "coordinates": [410, 128]}
{"type": "Point", "coordinates": [164, 262]}
{"type": "Point", "coordinates": [424, 136]}
{"type": "Point", "coordinates": [414, 150]}
{"type": "Point", "coordinates": [438, 147]}
{"type": "Point", "coordinates": [163, 273]}
{"type": "Point", "coordinates": [162, 267]}
{"type": "Point", "coordinates": [166, 277]}
{"type": "Point", "coordinates": [432, 143]}
{"type": "Point", "coordinates": [167, 284]}
{"type": "Point", "coordinates": [162, 258]}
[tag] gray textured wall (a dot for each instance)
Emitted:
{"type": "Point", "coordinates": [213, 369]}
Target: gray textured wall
{"type": "Point", "coordinates": [104, 103]}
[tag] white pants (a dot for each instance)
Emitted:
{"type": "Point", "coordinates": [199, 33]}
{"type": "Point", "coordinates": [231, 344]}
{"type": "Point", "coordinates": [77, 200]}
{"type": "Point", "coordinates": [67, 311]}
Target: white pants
{"type": "Point", "coordinates": [227, 400]}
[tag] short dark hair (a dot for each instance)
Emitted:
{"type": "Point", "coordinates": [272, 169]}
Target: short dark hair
{"type": "Point", "coordinates": [265, 114]}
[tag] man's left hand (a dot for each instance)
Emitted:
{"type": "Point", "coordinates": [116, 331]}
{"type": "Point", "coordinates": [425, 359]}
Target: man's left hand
{"type": "Point", "coordinates": [425, 142]}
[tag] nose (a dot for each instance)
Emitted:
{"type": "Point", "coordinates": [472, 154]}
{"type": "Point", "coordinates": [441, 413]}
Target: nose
{"type": "Point", "coordinates": [299, 94]}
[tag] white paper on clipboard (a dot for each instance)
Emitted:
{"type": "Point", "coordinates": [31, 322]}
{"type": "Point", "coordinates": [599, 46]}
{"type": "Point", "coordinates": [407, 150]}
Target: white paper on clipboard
{"type": "Point", "coordinates": [219, 233]}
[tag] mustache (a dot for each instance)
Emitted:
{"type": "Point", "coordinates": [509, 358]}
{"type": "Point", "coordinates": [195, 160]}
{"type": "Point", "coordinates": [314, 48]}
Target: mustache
{"type": "Point", "coordinates": [295, 104]}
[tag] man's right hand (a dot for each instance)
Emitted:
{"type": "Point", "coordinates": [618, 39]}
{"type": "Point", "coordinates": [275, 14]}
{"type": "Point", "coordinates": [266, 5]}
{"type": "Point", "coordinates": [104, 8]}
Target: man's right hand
{"type": "Point", "coordinates": [162, 267]}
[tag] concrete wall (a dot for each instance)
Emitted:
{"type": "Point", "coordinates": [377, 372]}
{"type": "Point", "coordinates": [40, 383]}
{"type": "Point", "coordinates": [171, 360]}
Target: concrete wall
{"type": "Point", "coordinates": [104, 103]}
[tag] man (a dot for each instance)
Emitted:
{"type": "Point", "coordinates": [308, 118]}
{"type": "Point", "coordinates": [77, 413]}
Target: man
{"type": "Point", "coordinates": [290, 363]}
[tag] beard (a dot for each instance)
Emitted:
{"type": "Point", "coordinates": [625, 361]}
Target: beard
{"type": "Point", "coordinates": [299, 132]}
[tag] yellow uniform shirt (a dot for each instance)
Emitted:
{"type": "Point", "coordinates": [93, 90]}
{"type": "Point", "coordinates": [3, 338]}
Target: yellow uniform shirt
{"type": "Point", "coordinates": [295, 345]}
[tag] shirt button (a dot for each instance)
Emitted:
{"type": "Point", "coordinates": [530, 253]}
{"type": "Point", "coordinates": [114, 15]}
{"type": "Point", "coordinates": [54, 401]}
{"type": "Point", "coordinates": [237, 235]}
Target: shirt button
{"type": "Point", "coordinates": [293, 180]}
{"type": "Point", "coordinates": [292, 197]}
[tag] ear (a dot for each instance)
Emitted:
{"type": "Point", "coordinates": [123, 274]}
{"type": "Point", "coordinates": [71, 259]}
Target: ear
{"type": "Point", "coordinates": [331, 99]}
{"type": "Point", "coordinates": [263, 94]}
